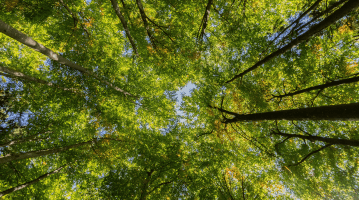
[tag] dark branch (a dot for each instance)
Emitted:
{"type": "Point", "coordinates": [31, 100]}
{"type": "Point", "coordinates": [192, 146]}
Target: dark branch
{"type": "Point", "coordinates": [205, 19]}
{"type": "Point", "coordinates": [311, 153]}
{"type": "Point", "coordinates": [335, 141]}
{"type": "Point", "coordinates": [145, 23]}
{"type": "Point", "coordinates": [124, 24]}
{"type": "Point", "coordinates": [338, 14]}
{"type": "Point", "coordinates": [320, 87]}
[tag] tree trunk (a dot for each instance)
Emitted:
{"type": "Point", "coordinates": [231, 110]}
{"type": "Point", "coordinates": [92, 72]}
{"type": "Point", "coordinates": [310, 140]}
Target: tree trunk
{"type": "Point", "coordinates": [22, 186]}
{"type": "Point", "coordinates": [18, 75]}
{"type": "Point", "coordinates": [33, 154]}
{"type": "Point", "coordinates": [124, 24]}
{"type": "Point", "coordinates": [341, 12]}
{"type": "Point", "coordinates": [28, 41]}
{"type": "Point", "coordinates": [343, 112]}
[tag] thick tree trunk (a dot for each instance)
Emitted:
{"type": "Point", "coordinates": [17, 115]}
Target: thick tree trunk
{"type": "Point", "coordinates": [33, 154]}
{"type": "Point", "coordinates": [18, 75]}
{"type": "Point", "coordinates": [22, 186]}
{"type": "Point", "coordinates": [354, 143]}
{"type": "Point", "coordinates": [341, 12]}
{"type": "Point", "coordinates": [124, 24]}
{"type": "Point", "coordinates": [343, 112]}
{"type": "Point", "coordinates": [320, 87]}
{"type": "Point", "coordinates": [28, 41]}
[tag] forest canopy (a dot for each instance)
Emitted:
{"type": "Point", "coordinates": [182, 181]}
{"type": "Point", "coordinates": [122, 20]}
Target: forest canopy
{"type": "Point", "coordinates": [90, 105]}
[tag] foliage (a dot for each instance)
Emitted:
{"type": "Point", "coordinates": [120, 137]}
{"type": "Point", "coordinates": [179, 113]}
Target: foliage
{"type": "Point", "coordinates": [130, 135]}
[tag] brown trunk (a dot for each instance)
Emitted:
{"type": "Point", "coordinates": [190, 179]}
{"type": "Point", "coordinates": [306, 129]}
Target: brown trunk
{"type": "Point", "coordinates": [341, 12]}
{"type": "Point", "coordinates": [22, 186]}
{"type": "Point", "coordinates": [343, 112]}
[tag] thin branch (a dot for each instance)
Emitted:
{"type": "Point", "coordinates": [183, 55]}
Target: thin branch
{"type": "Point", "coordinates": [74, 17]}
{"type": "Point", "coordinates": [338, 14]}
{"type": "Point", "coordinates": [19, 187]}
{"type": "Point", "coordinates": [160, 185]}
{"type": "Point", "coordinates": [311, 153]}
{"type": "Point", "coordinates": [354, 143]}
{"type": "Point", "coordinates": [294, 22]}
{"type": "Point", "coordinates": [124, 24]}
{"type": "Point", "coordinates": [160, 27]}
{"type": "Point", "coordinates": [23, 77]}
{"type": "Point", "coordinates": [145, 23]}
{"type": "Point", "coordinates": [319, 87]}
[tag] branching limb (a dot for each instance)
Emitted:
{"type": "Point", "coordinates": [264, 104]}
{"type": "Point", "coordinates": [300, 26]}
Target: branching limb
{"type": "Point", "coordinates": [335, 141]}
{"type": "Point", "coordinates": [338, 14]}
{"type": "Point", "coordinates": [310, 154]}
{"type": "Point", "coordinates": [319, 87]}
{"type": "Point", "coordinates": [205, 19]}
{"type": "Point", "coordinates": [23, 77]}
{"type": "Point", "coordinates": [124, 24]}
{"type": "Point", "coordinates": [160, 27]}
{"type": "Point", "coordinates": [145, 23]}
{"type": "Point", "coordinates": [74, 17]}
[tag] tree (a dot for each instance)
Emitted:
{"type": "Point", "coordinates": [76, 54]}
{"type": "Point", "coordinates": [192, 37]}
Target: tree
{"type": "Point", "coordinates": [272, 114]}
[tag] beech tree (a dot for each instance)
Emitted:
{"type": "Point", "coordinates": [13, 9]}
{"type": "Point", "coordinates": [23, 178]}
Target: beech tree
{"type": "Point", "coordinates": [93, 86]}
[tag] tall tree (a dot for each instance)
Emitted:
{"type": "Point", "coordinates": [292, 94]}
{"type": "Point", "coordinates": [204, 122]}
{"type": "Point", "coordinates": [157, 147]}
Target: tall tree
{"type": "Point", "coordinates": [270, 112]}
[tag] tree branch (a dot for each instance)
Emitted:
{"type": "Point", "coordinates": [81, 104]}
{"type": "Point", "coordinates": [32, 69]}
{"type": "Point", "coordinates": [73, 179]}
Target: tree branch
{"type": "Point", "coordinates": [145, 23]}
{"type": "Point", "coordinates": [338, 14]}
{"type": "Point", "coordinates": [24, 39]}
{"type": "Point", "coordinates": [205, 19]}
{"type": "Point", "coordinates": [124, 24]}
{"type": "Point", "coordinates": [311, 153]}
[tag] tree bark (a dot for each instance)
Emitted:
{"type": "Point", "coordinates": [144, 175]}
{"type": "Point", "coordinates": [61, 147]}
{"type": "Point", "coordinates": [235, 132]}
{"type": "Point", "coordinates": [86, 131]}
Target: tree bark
{"type": "Point", "coordinates": [320, 87]}
{"type": "Point", "coordinates": [124, 24]}
{"type": "Point", "coordinates": [33, 154]}
{"type": "Point", "coordinates": [15, 74]}
{"type": "Point", "coordinates": [22, 186]}
{"type": "Point", "coordinates": [205, 18]}
{"type": "Point", "coordinates": [335, 141]}
{"type": "Point", "coordinates": [343, 112]}
{"type": "Point", "coordinates": [28, 41]}
{"type": "Point", "coordinates": [341, 12]}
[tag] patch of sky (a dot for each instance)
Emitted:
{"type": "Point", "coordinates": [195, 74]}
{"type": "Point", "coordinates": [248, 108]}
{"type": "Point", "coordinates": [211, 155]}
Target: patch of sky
{"type": "Point", "coordinates": [185, 91]}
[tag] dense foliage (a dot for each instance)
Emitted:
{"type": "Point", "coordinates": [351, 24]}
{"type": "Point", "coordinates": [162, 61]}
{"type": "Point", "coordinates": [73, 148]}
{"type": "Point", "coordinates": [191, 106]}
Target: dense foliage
{"type": "Point", "coordinates": [89, 109]}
